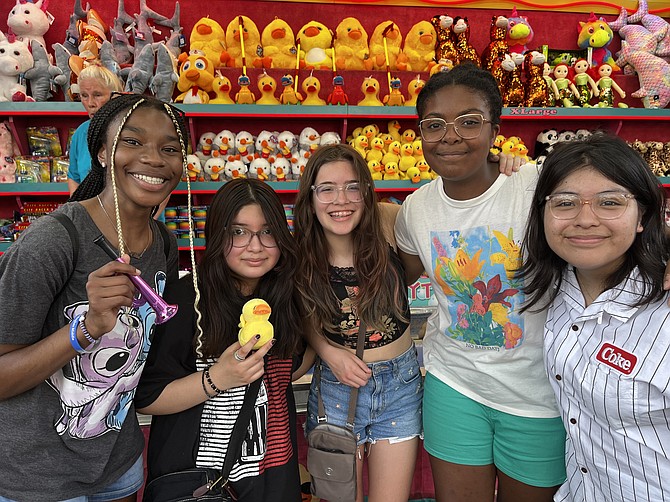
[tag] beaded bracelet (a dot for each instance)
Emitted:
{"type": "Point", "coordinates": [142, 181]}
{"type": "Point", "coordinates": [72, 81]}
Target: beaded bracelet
{"type": "Point", "coordinates": [204, 387]}
{"type": "Point", "coordinates": [87, 335]}
{"type": "Point", "coordinates": [209, 381]}
{"type": "Point", "coordinates": [73, 337]}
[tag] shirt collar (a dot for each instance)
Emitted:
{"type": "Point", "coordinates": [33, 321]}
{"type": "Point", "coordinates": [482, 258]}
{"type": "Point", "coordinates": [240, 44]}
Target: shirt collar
{"type": "Point", "coordinates": [615, 302]}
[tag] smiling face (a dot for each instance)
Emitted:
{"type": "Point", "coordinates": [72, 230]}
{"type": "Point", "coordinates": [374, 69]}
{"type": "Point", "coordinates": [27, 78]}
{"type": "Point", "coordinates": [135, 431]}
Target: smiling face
{"type": "Point", "coordinates": [461, 163]}
{"type": "Point", "coordinates": [148, 160]}
{"type": "Point", "coordinates": [252, 262]}
{"type": "Point", "coordinates": [93, 94]}
{"type": "Point", "coordinates": [594, 246]}
{"type": "Point", "coordinates": [340, 217]}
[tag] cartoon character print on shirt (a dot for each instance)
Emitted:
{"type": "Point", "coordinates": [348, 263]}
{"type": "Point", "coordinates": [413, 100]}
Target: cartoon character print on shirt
{"type": "Point", "coordinates": [97, 389]}
{"type": "Point", "coordinates": [474, 268]}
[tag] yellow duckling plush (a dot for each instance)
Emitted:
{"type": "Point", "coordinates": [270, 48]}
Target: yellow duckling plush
{"type": "Point", "coordinates": [497, 144]}
{"type": "Point", "coordinates": [222, 87]}
{"type": "Point", "coordinates": [393, 128]}
{"type": "Point", "coordinates": [391, 171]}
{"type": "Point", "coordinates": [208, 37]}
{"type": "Point", "coordinates": [407, 159]}
{"type": "Point", "coordinates": [361, 145]}
{"type": "Point", "coordinates": [251, 38]}
{"type": "Point", "coordinates": [370, 90]}
{"type": "Point", "coordinates": [390, 31]}
{"type": "Point", "coordinates": [311, 86]}
{"type": "Point", "coordinates": [408, 136]}
{"type": "Point", "coordinates": [351, 46]}
{"type": "Point", "coordinates": [279, 44]}
{"type": "Point", "coordinates": [392, 153]}
{"type": "Point", "coordinates": [419, 50]}
{"type": "Point", "coordinates": [316, 42]}
{"type": "Point", "coordinates": [255, 320]}
{"type": "Point", "coordinates": [267, 85]}
{"type": "Point", "coordinates": [376, 151]}
{"type": "Point", "coordinates": [413, 174]}
{"type": "Point", "coordinates": [195, 78]}
{"type": "Point", "coordinates": [424, 170]}
{"type": "Point", "coordinates": [417, 148]}
{"type": "Point", "coordinates": [375, 170]}
{"type": "Point", "coordinates": [413, 90]}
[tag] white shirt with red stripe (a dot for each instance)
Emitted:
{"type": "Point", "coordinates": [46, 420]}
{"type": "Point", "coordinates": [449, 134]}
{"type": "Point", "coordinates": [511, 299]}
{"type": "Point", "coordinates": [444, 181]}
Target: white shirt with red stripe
{"type": "Point", "coordinates": [609, 366]}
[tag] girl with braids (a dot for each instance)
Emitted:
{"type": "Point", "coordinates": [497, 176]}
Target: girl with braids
{"type": "Point", "coordinates": [197, 372]}
{"type": "Point", "coordinates": [72, 352]}
{"type": "Point", "coordinates": [349, 273]}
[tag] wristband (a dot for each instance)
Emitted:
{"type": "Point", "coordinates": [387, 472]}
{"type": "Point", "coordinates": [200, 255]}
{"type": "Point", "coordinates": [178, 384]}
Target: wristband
{"type": "Point", "coordinates": [73, 337]}
{"type": "Point", "coordinates": [209, 381]}
{"type": "Point", "coordinates": [87, 335]}
{"type": "Point", "coordinates": [204, 387]}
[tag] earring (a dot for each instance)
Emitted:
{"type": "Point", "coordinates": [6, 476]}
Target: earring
{"type": "Point", "coordinates": [104, 166]}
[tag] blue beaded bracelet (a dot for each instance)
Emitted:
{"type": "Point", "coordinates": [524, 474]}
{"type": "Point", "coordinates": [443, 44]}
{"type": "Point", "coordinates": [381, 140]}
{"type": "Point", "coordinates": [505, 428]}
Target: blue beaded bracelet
{"type": "Point", "coordinates": [73, 337]}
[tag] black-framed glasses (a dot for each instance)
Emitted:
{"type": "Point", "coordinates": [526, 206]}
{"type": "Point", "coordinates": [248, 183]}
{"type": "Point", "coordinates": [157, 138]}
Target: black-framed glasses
{"type": "Point", "coordinates": [328, 192]}
{"type": "Point", "coordinates": [468, 126]}
{"type": "Point", "coordinates": [240, 237]}
{"type": "Point", "coordinates": [606, 206]}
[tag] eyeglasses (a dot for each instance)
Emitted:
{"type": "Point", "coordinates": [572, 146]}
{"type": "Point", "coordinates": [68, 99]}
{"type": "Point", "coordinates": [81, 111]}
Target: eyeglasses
{"type": "Point", "coordinates": [606, 206]}
{"type": "Point", "coordinates": [468, 126]}
{"type": "Point", "coordinates": [327, 193]}
{"type": "Point", "coordinates": [241, 237]}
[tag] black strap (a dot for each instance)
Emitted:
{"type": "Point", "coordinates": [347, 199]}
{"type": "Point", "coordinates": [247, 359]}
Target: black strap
{"type": "Point", "coordinates": [353, 396]}
{"type": "Point", "coordinates": [240, 428]}
{"type": "Point", "coordinates": [72, 230]}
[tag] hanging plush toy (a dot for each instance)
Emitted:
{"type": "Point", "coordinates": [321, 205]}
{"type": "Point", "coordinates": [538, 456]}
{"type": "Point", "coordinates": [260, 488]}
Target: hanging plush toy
{"type": "Point", "coordinates": [243, 44]}
{"type": "Point", "coordinates": [43, 76]}
{"type": "Point", "coordinates": [29, 21]}
{"type": "Point", "coordinates": [165, 76]}
{"type": "Point", "coordinates": [279, 44]}
{"type": "Point", "coordinates": [351, 46]}
{"type": "Point", "coordinates": [653, 73]}
{"type": "Point", "coordinates": [15, 60]}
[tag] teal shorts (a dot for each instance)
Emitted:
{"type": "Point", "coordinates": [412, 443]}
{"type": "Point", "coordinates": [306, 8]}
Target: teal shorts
{"type": "Point", "coordinates": [462, 431]}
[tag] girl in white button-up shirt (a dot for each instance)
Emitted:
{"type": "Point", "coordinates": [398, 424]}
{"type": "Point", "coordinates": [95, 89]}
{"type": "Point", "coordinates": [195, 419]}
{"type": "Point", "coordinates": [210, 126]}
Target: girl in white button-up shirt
{"type": "Point", "coordinates": [600, 271]}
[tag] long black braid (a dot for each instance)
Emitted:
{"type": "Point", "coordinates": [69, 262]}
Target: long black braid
{"type": "Point", "coordinates": [120, 104]}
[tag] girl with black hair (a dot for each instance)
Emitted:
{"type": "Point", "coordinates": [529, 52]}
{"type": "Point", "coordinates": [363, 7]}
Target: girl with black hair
{"type": "Point", "coordinates": [599, 270]}
{"type": "Point", "coordinates": [197, 372]}
{"type": "Point", "coordinates": [72, 352]}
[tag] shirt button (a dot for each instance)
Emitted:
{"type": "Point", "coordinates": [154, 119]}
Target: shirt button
{"type": "Point", "coordinates": [584, 470]}
{"type": "Point", "coordinates": [575, 327]}
{"type": "Point", "coordinates": [573, 421]}
{"type": "Point", "coordinates": [558, 377]}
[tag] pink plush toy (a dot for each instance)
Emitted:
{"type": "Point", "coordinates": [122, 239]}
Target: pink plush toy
{"type": "Point", "coordinates": [29, 21]}
{"type": "Point", "coordinates": [15, 59]}
{"type": "Point", "coordinates": [653, 73]}
{"type": "Point", "coordinates": [8, 150]}
{"type": "Point", "coordinates": [519, 33]}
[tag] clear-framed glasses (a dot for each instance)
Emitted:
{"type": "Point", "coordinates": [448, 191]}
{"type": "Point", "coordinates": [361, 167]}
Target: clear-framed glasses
{"type": "Point", "coordinates": [327, 192]}
{"type": "Point", "coordinates": [606, 206]}
{"type": "Point", "coordinates": [468, 126]}
{"type": "Point", "coordinates": [240, 237]}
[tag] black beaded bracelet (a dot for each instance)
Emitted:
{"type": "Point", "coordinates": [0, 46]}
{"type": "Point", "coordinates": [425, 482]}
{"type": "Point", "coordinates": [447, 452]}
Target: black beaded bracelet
{"type": "Point", "coordinates": [204, 387]}
{"type": "Point", "coordinates": [211, 384]}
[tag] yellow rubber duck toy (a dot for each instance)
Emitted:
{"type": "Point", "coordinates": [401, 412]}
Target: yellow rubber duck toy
{"type": "Point", "coordinates": [375, 170]}
{"type": "Point", "coordinates": [222, 87]}
{"type": "Point", "coordinates": [370, 90]}
{"type": "Point", "coordinates": [279, 44]}
{"type": "Point", "coordinates": [255, 320]}
{"type": "Point", "coordinates": [311, 86]}
{"type": "Point", "coordinates": [267, 86]}
{"type": "Point", "coordinates": [391, 171]}
{"type": "Point", "coordinates": [413, 90]}
{"type": "Point", "coordinates": [393, 128]}
{"type": "Point", "coordinates": [413, 174]}
{"type": "Point", "coordinates": [407, 159]}
{"type": "Point", "coordinates": [424, 170]}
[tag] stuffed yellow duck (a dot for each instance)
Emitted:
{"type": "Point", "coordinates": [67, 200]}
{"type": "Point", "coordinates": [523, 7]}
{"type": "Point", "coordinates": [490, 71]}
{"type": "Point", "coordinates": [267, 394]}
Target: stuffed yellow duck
{"type": "Point", "coordinates": [390, 31]}
{"type": "Point", "coordinates": [370, 90]}
{"type": "Point", "coordinates": [393, 128]}
{"type": "Point", "coordinates": [424, 170]}
{"type": "Point", "coordinates": [221, 87]}
{"type": "Point", "coordinates": [255, 320]}
{"type": "Point", "coordinates": [392, 153]}
{"type": "Point", "coordinates": [311, 86]}
{"type": "Point", "coordinates": [351, 46]}
{"type": "Point", "coordinates": [279, 44]}
{"type": "Point", "coordinates": [361, 145]}
{"type": "Point", "coordinates": [251, 38]}
{"type": "Point", "coordinates": [376, 150]}
{"type": "Point", "coordinates": [413, 174]}
{"type": "Point", "coordinates": [195, 78]}
{"type": "Point", "coordinates": [419, 49]}
{"type": "Point", "coordinates": [267, 86]}
{"type": "Point", "coordinates": [316, 46]}
{"type": "Point", "coordinates": [376, 169]}
{"type": "Point", "coordinates": [391, 171]}
{"type": "Point", "coordinates": [208, 37]}
{"type": "Point", "coordinates": [407, 159]}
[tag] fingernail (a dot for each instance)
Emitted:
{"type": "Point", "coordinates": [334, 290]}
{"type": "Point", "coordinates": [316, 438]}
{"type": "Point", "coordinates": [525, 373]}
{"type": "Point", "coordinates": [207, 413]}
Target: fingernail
{"type": "Point", "coordinates": [257, 337]}
{"type": "Point", "coordinates": [272, 342]}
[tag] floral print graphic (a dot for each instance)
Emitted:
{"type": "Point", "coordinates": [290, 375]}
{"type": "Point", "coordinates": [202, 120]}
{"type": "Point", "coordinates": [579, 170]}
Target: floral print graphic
{"type": "Point", "coordinates": [475, 269]}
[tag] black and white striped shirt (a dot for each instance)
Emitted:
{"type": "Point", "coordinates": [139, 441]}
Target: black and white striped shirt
{"type": "Point", "coordinates": [609, 366]}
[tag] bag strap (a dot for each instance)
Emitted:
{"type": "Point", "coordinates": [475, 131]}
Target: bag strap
{"type": "Point", "coordinates": [72, 231]}
{"type": "Point", "coordinates": [239, 429]}
{"type": "Point", "coordinates": [353, 396]}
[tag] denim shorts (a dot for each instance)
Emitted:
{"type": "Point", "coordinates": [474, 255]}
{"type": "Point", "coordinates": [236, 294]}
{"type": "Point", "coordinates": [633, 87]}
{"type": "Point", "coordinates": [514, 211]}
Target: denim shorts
{"type": "Point", "coordinates": [388, 407]}
{"type": "Point", "coordinates": [462, 431]}
{"type": "Point", "coordinates": [127, 484]}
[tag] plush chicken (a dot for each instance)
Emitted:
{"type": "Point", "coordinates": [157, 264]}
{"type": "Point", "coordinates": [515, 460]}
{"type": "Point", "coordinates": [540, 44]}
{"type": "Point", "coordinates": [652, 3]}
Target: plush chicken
{"type": "Point", "coordinates": [390, 31]}
{"type": "Point", "coordinates": [267, 86]}
{"type": "Point", "coordinates": [370, 90]}
{"type": "Point", "coordinates": [255, 320]}
{"type": "Point", "coordinates": [316, 42]}
{"type": "Point", "coordinates": [195, 78]}
{"type": "Point", "coordinates": [311, 86]}
{"type": "Point", "coordinates": [351, 46]}
{"type": "Point", "coordinates": [279, 44]}
{"type": "Point", "coordinates": [251, 38]}
{"type": "Point", "coordinates": [419, 50]}
{"type": "Point", "coordinates": [208, 37]}
{"type": "Point", "coordinates": [221, 86]}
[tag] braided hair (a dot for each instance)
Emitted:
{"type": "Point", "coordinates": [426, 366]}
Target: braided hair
{"type": "Point", "coordinates": [94, 182]}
